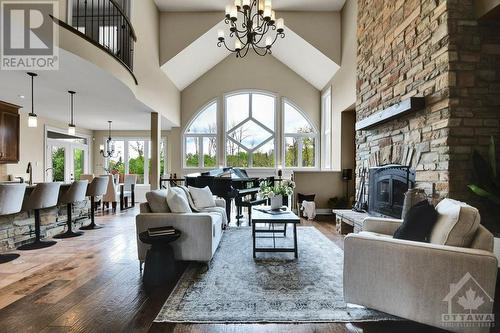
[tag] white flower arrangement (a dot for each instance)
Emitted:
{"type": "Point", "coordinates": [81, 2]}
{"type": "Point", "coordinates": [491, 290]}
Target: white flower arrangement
{"type": "Point", "coordinates": [269, 190]}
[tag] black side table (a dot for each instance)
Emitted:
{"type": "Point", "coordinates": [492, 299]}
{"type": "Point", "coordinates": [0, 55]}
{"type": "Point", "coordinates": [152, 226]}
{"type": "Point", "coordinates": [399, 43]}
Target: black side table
{"type": "Point", "coordinates": [160, 264]}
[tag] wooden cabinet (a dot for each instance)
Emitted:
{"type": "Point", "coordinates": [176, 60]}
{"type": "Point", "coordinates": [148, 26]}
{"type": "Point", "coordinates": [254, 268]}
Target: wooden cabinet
{"type": "Point", "coordinates": [9, 133]}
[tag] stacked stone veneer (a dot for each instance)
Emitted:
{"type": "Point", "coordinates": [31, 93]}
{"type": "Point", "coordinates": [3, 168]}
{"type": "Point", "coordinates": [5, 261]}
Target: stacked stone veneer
{"type": "Point", "coordinates": [18, 229]}
{"type": "Point", "coordinates": [434, 49]}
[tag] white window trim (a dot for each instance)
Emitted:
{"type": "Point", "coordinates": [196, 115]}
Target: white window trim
{"type": "Point", "coordinates": [146, 154]}
{"type": "Point", "coordinates": [200, 136]}
{"type": "Point", "coordinates": [314, 135]}
{"type": "Point", "coordinates": [250, 117]}
{"type": "Point", "coordinates": [326, 130]}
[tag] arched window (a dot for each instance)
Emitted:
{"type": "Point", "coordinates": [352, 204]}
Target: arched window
{"type": "Point", "coordinates": [250, 127]}
{"type": "Point", "coordinates": [300, 138]}
{"type": "Point", "coordinates": [200, 139]}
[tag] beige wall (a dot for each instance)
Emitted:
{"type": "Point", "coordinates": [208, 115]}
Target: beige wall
{"type": "Point", "coordinates": [325, 184]}
{"type": "Point", "coordinates": [320, 29]}
{"type": "Point", "coordinates": [179, 29]}
{"type": "Point", "coordinates": [343, 84]}
{"type": "Point", "coordinates": [32, 146]}
{"type": "Point", "coordinates": [252, 72]}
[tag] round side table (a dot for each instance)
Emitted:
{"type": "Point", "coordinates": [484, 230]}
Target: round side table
{"type": "Point", "coordinates": [159, 267]}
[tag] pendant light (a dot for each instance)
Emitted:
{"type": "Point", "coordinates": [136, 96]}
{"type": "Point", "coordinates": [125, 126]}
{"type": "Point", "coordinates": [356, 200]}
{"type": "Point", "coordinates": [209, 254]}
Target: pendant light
{"type": "Point", "coordinates": [71, 125]}
{"type": "Point", "coordinates": [32, 117]}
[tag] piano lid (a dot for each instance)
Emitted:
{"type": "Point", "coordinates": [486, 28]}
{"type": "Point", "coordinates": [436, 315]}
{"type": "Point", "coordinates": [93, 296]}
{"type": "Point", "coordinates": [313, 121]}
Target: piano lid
{"type": "Point", "coordinates": [233, 173]}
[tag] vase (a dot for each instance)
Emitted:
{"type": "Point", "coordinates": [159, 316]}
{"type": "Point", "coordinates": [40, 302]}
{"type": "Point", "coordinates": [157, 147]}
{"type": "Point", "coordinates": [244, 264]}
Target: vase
{"type": "Point", "coordinates": [277, 201]}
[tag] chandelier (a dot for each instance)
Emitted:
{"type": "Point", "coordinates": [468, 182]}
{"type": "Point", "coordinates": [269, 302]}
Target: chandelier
{"type": "Point", "coordinates": [253, 25]}
{"type": "Point", "coordinates": [110, 147]}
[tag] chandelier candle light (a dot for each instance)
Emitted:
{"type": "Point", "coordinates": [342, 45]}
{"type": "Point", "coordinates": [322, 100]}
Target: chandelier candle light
{"type": "Point", "coordinates": [253, 24]}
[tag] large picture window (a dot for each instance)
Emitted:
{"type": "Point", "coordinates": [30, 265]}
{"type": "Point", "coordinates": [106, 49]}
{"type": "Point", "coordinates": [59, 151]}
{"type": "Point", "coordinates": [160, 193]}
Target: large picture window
{"type": "Point", "coordinates": [200, 139]}
{"type": "Point", "coordinates": [248, 134]}
{"type": "Point", "coordinates": [250, 121]}
{"type": "Point", "coordinates": [300, 138]}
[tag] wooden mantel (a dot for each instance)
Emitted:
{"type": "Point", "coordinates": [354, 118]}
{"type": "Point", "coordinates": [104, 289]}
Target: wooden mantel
{"type": "Point", "coordinates": [397, 110]}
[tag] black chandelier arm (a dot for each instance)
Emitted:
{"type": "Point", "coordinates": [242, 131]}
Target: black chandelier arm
{"type": "Point", "coordinates": [235, 29]}
{"type": "Point", "coordinates": [246, 48]}
{"type": "Point", "coordinates": [257, 50]}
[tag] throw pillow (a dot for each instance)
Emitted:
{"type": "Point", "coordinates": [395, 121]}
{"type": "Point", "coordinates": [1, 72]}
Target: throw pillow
{"type": "Point", "coordinates": [456, 225]}
{"type": "Point", "coordinates": [418, 223]}
{"type": "Point", "coordinates": [178, 203]}
{"type": "Point", "coordinates": [202, 197]}
{"type": "Point", "coordinates": [157, 201]}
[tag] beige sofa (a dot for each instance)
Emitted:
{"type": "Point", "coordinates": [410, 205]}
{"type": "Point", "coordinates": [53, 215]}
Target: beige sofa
{"type": "Point", "coordinates": [201, 232]}
{"type": "Point", "coordinates": [420, 281]}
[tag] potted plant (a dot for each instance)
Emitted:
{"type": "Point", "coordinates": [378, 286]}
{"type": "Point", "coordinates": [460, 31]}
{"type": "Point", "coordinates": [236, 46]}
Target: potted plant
{"type": "Point", "coordinates": [276, 193]}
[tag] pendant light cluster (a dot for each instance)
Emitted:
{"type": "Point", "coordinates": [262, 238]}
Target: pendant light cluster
{"type": "Point", "coordinates": [33, 118]}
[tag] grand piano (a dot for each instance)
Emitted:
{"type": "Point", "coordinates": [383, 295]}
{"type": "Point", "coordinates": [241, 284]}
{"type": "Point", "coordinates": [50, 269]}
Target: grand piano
{"type": "Point", "coordinates": [227, 183]}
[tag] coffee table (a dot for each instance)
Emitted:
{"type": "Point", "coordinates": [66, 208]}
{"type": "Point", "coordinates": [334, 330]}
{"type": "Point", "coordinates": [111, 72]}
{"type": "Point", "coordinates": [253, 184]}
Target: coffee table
{"type": "Point", "coordinates": [260, 217]}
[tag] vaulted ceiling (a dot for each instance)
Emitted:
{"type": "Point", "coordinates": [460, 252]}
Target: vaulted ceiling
{"type": "Point", "coordinates": [213, 5]}
{"type": "Point", "coordinates": [311, 47]}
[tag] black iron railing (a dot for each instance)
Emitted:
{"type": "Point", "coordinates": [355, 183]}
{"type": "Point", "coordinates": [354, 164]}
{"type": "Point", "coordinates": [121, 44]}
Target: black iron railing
{"type": "Point", "coordinates": [105, 23]}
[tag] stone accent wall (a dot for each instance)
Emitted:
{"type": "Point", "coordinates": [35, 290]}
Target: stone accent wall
{"type": "Point", "coordinates": [19, 229]}
{"type": "Point", "coordinates": [474, 48]}
{"type": "Point", "coordinates": [403, 52]}
{"type": "Point", "coordinates": [438, 50]}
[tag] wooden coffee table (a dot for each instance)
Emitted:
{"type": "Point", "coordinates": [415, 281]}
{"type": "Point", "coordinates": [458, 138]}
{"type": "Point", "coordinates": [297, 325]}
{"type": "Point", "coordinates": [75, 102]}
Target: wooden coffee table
{"type": "Point", "coordinates": [259, 217]}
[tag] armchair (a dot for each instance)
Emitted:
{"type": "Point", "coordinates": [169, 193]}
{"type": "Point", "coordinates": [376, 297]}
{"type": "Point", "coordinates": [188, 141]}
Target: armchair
{"type": "Point", "coordinates": [419, 281]}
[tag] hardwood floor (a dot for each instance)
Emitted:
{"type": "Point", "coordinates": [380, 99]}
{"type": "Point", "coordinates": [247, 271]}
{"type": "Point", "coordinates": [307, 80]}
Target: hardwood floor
{"type": "Point", "coordinates": [92, 284]}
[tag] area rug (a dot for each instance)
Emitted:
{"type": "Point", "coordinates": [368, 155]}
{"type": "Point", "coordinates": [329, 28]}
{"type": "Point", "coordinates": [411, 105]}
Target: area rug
{"type": "Point", "coordinates": [273, 288]}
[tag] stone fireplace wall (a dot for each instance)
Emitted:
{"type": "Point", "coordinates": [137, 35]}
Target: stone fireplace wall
{"type": "Point", "coordinates": [438, 50]}
{"type": "Point", "coordinates": [403, 52]}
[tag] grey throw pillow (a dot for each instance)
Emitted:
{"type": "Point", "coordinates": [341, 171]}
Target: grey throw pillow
{"type": "Point", "coordinates": [157, 201]}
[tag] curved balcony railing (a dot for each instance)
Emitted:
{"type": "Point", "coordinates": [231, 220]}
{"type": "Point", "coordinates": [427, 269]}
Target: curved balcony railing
{"type": "Point", "coordinates": [105, 24]}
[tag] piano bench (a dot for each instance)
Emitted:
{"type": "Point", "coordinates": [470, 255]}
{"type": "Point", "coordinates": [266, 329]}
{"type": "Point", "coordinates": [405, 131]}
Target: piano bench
{"type": "Point", "coordinates": [249, 204]}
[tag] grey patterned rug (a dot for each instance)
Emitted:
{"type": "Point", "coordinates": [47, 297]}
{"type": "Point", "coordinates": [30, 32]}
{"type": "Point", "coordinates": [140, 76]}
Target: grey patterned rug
{"type": "Point", "coordinates": [272, 288]}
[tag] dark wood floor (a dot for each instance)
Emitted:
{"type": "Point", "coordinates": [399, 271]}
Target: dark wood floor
{"type": "Point", "coordinates": [92, 284]}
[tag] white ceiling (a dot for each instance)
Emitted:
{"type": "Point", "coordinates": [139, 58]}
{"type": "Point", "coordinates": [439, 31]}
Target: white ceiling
{"type": "Point", "coordinates": [100, 97]}
{"type": "Point", "coordinates": [293, 51]}
{"type": "Point", "coordinates": [214, 5]}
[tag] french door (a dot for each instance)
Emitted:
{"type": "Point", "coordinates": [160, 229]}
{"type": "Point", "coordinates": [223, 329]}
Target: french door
{"type": "Point", "coordinates": [65, 161]}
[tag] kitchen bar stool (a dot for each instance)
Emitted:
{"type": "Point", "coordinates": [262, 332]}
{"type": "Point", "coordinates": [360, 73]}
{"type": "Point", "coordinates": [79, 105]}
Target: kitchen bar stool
{"type": "Point", "coordinates": [44, 195]}
{"type": "Point", "coordinates": [75, 193]}
{"type": "Point", "coordinates": [96, 188]}
{"type": "Point", "coordinates": [11, 201]}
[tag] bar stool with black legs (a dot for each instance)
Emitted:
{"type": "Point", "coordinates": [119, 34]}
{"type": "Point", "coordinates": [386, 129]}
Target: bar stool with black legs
{"type": "Point", "coordinates": [11, 201]}
{"type": "Point", "coordinates": [75, 193]}
{"type": "Point", "coordinates": [44, 195]}
{"type": "Point", "coordinates": [97, 188]}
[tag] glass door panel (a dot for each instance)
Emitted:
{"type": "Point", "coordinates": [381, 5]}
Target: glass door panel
{"type": "Point", "coordinates": [78, 163]}
{"type": "Point", "coordinates": [58, 159]}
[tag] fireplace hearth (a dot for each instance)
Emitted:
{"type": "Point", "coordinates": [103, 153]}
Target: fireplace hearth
{"type": "Point", "coordinates": [387, 187]}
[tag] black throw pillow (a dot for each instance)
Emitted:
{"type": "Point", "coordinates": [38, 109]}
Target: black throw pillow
{"type": "Point", "coordinates": [418, 223]}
